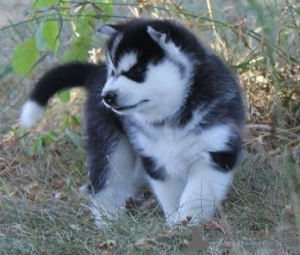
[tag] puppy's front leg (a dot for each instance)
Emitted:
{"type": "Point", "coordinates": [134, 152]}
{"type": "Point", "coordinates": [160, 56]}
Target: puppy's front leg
{"type": "Point", "coordinates": [205, 189]}
{"type": "Point", "coordinates": [168, 192]}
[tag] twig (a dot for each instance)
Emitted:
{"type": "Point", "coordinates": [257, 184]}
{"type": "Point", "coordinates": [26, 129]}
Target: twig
{"type": "Point", "coordinates": [263, 127]}
{"type": "Point", "coordinates": [218, 38]}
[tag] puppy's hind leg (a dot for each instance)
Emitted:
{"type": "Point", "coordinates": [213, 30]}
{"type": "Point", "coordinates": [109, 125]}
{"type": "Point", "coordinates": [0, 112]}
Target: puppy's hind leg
{"type": "Point", "coordinates": [113, 179]}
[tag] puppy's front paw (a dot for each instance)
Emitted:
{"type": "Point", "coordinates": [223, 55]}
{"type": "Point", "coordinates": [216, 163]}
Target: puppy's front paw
{"type": "Point", "coordinates": [172, 219]}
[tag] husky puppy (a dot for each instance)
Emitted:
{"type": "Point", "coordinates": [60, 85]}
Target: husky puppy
{"type": "Point", "coordinates": [162, 109]}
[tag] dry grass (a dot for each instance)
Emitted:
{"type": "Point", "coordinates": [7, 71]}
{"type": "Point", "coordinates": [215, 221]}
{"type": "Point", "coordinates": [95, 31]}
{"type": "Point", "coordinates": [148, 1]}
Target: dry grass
{"type": "Point", "coordinates": [41, 210]}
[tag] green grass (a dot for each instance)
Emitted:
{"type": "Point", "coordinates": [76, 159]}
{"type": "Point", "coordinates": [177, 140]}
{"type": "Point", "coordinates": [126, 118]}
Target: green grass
{"type": "Point", "coordinates": [41, 209]}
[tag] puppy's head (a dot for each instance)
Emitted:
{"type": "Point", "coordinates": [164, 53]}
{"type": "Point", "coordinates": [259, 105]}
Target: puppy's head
{"type": "Point", "coordinates": [148, 68]}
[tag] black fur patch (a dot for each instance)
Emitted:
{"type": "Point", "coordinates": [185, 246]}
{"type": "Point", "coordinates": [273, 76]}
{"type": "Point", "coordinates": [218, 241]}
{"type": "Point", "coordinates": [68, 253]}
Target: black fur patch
{"type": "Point", "coordinates": [103, 132]}
{"type": "Point", "coordinates": [151, 169]}
{"type": "Point", "coordinates": [225, 160]}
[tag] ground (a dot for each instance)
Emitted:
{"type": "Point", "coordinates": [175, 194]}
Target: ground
{"type": "Point", "coordinates": [41, 169]}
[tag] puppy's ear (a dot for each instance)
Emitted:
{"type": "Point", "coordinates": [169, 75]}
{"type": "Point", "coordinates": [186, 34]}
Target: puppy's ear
{"type": "Point", "coordinates": [108, 31]}
{"type": "Point", "coordinates": [160, 35]}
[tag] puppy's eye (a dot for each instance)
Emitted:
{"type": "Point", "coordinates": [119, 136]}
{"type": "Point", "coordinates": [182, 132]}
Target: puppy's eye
{"type": "Point", "coordinates": [136, 70]}
{"type": "Point", "coordinates": [135, 73]}
{"type": "Point", "coordinates": [112, 73]}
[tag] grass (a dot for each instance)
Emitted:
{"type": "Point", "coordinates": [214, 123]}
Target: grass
{"type": "Point", "coordinates": [41, 209]}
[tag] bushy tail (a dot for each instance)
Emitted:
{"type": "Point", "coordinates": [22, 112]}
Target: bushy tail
{"type": "Point", "coordinates": [61, 77]}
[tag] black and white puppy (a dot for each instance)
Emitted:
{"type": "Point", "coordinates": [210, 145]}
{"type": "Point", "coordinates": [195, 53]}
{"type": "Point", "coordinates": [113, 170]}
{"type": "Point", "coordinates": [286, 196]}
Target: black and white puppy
{"type": "Point", "coordinates": [162, 109]}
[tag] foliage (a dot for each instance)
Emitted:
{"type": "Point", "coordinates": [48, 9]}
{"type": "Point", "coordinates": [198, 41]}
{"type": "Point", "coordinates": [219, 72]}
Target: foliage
{"type": "Point", "coordinates": [47, 19]}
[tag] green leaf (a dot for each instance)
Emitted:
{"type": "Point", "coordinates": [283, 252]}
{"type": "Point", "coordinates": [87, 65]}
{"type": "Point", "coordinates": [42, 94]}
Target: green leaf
{"type": "Point", "coordinates": [44, 3]}
{"type": "Point", "coordinates": [47, 35]}
{"type": "Point", "coordinates": [39, 37]}
{"type": "Point", "coordinates": [79, 49]}
{"type": "Point", "coordinates": [65, 7]}
{"type": "Point", "coordinates": [64, 96]}
{"type": "Point", "coordinates": [41, 142]}
{"type": "Point", "coordinates": [105, 7]}
{"type": "Point", "coordinates": [84, 26]}
{"type": "Point", "coordinates": [25, 56]}
{"type": "Point", "coordinates": [51, 34]}
{"type": "Point", "coordinates": [74, 137]}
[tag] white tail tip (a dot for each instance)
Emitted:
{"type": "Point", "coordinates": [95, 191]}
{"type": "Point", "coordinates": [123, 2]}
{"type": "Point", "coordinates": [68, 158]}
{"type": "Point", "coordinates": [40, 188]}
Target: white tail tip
{"type": "Point", "coordinates": [31, 112]}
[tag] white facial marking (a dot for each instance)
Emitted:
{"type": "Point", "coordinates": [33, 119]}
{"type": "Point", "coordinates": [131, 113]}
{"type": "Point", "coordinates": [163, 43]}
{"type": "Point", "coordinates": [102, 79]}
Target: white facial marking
{"type": "Point", "coordinates": [165, 89]}
{"type": "Point", "coordinates": [110, 65]}
{"type": "Point", "coordinates": [127, 61]}
{"type": "Point", "coordinates": [115, 44]}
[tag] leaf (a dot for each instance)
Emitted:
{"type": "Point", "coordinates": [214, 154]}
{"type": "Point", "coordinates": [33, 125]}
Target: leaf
{"type": "Point", "coordinates": [75, 120]}
{"type": "Point", "coordinates": [79, 49]}
{"type": "Point", "coordinates": [105, 9]}
{"type": "Point", "coordinates": [25, 56]}
{"type": "Point", "coordinates": [215, 226]}
{"type": "Point", "coordinates": [33, 190]}
{"type": "Point", "coordinates": [64, 96]}
{"type": "Point", "coordinates": [38, 146]}
{"type": "Point", "coordinates": [145, 242]}
{"type": "Point", "coordinates": [107, 247]}
{"type": "Point", "coordinates": [47, 35]}
{"type": "Point", "coordinates": [49, 138]}
{"type": "Point", "coordinates": [166, 236]}
{"type": "Point", "coordinates": [84, 25]}
{"type": "Point", "coordinates": [108, 244]}
{"type": "Point", "coordinates": [75, 138]}
{"type": "Point", "coordinates": [44, 3]}
{"type": "Point", "coordinates": [51, 34]}
{"type": "Point", "coordinates": [108, 9]}
{"type": "Point", "coordinates": [39, 37]}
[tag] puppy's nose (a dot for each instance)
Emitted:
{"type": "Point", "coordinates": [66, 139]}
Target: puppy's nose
{"type": "Point", "coordinates": [109, 98]}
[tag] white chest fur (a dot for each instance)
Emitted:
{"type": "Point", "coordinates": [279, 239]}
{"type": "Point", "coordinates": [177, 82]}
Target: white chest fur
{"type": "Point", "coordinates": [176, 149]}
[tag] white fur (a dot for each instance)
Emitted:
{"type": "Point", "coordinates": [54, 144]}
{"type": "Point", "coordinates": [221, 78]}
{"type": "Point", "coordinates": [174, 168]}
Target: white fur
{"type": "Point", "coordinates": [168, 193]}
{"type": "Point", "coordinates": [205, 189]}
{"type": "Point", "coordinates": [173, 51]}
{"type": "Point", "coordinates": [163, 90]}
{"type": "Point", "coordinates": [178, 149]}
{"type": "Point", "coordinates": [126, 175]}
{"type": "Point", "coordinates": [30, 113]}
{"type": "Point", "coordinates": [196, 197]}
{"type": "Point", "coordinates": [127, 61]}
{"type": "Point", "coordinates": [193, 188]}
{"type": "Point", "coordinates": [116, 43]}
